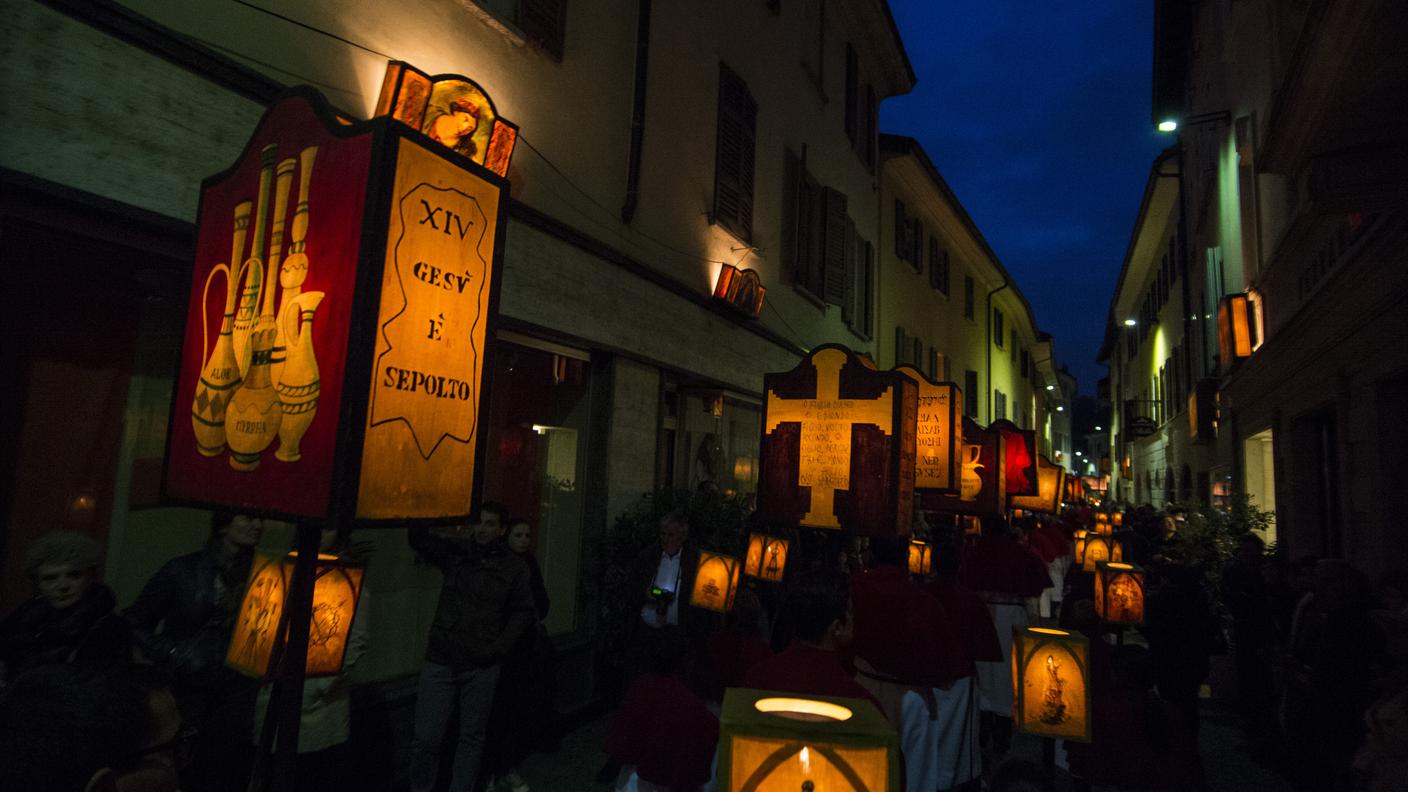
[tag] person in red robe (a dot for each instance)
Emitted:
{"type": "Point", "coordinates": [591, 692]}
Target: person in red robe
{"type": "Point", "coordinates": [1009, 578]}
{"type": "Point", "coordinates": [663, 733]}
{"type": "Point", "coordinates": [737, 647]}
{"type": "Point", "coordinates": [902, 633]}
{"type": "Point", "coordinates": [820, 611]}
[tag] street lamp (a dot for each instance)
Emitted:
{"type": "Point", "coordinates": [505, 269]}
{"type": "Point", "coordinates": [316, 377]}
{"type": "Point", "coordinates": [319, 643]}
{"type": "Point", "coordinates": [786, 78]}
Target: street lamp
{"type": "Point", "coordinates": [1171, 124]}
{"type": "Point", "coordinates": [1168, 125]}
{"type": "Point", "coordinates": [1130, 322]}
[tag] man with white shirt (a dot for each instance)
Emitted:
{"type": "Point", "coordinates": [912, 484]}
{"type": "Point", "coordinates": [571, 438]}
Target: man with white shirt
{"type": "Point", "coordinates": [664, 576]}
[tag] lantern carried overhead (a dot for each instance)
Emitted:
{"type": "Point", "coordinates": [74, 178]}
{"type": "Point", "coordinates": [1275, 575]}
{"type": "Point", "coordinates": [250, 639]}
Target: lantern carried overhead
{"type": "Point", "coordinates": [838, 445]}
{"type": "Point", "coordinates": [1051, 683]}
{"type": "Point", "coordinates": [921, 557]}
{"type": "Point", "coordinates": [938, 429]}
{"type": "Point", "coordinates": [337, 587]}
{"type": "Point", "coordinates": [774, 741]}
{"type": "Point", "coordinates": [1119, 593]}
{"type": "Point", "coordinates": [1080, 537]}
{"type": "Point", "coordinates": [1050, 479]}
{"type": "Point", "coordinates": [766, 558]}
{"type": "Point", "coordinates": [715, 582]}
{"type": "Point", "coordinates": [1099, 548]}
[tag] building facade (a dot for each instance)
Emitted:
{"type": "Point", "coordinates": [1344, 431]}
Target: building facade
{"type": "Point", "coordinates": [1293, 197]}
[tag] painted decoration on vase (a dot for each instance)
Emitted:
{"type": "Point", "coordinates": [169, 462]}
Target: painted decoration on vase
{"type": "Point", "coordinates": [938, 461]}
{"type": "Point", "coordinates": [838, 445]}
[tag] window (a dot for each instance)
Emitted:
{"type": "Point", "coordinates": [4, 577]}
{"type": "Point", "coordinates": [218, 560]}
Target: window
{"type": "Point", "coordinates": [938, 266]}
{"type": "Point", "coordinates": [970, 394]}
{"type": "Point", "coordinates": [1026, 364]}
{"type": "Point", "coordinates": [863, 276]}
{"type": "Point", "coordinates": [1012, 347]}
{"type": "Point", "coordinates": [542, 22]}
{"type": "Point", "coordinates": [967, 297]}
{"type": "Point", "coordinates": [938, 365]}
{"type": "Point", "coordinates": [999, 328]}
{"type": "Point", "coordinates": [852, 99]}
{"type": "Point", "coordinates": [901, 347]}
{"type": "Point", "coordinates": [909, 233]}
{"type": "Point", "coordinates": [872, 126]}
{"type": "Point", "coordinates": [999, 405]}
{"type": "Point", "coordinates": [803, 219]}
{"type": "Point", "coordinates": [837, 246]}
{"type": "Point", "coordinates": [733, 163]}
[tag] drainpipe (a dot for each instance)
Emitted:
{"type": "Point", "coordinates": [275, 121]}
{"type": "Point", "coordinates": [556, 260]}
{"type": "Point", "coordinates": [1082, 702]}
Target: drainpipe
{"type": "Point", "coordinates": [628, 210]}
{"type": "Point", "coordinates": [988, 319]}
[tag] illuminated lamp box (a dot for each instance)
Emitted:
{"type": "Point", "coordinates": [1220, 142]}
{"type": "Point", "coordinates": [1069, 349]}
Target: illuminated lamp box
{"type": "Point", "coordinates": [766, 558]}
{"type": "Point", "coordinates": [344, 287]}
{"type": "Point", "coordinates": [1050, 479]}
{"type": "Point", "coordinates": [337, 587]}
{"type": "Point", "coordinates": [779, 741]}
{"type": "Point", "coordinates": [1018, 458]}
{"type": "Point", "coordinates": [1051, 693]}
{"type": "Point", "coordinates": [937, 445]}
{"type": "Point", "coordinates": [1119, 593]}
{"type": "Point", "coordinates": [981, 479]}
{"type": "Point", "coordinates": [838, 445]}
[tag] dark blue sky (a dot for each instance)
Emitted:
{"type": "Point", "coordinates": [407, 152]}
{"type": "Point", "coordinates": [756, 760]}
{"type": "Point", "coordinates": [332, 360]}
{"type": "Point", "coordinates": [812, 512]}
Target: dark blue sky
{"type": "Point", "coordinates": [1037, 115]}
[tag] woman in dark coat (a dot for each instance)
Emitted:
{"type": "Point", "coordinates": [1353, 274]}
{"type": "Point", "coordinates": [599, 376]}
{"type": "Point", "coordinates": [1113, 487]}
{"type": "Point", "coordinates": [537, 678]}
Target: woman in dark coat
{"type": "Point", "coordinates": [70, 618]}
{"type": "Point", "coordinates": [523, 698]}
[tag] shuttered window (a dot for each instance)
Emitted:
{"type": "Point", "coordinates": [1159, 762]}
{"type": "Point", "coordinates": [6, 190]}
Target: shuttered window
{"type": "Point", "coordinates": [543, 23]}
{"type": "Point", "coordinates": [970, 394]}
{"type": "Point", "coordinates": [938, 266]}
{"type": "Point", "coordinates": [803, 218]}
{"type": "Point", "coordinates": [967, 297]}
{"type": "Point", "coordinates": [852, 108]}
{"type": "Point", "coordinates": [733, 163]}
{"type": "Point", "coordinates": [834, 246]}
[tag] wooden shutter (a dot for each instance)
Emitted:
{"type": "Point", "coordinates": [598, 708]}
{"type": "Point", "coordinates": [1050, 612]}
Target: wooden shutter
{"type": "Point", "coordinates": [872, 123]}
{"type": "Point", "coordinates": [733, 164]}
{"type": "Point", "coordinates": [812, 217]}
{"type": "Point", "coordinates": [901, 232]}
{"type": "Point", "coordinates": [791, 222]}
{"type": "Point", "coordinates": [934, 262]}
{"type": "Point", "coordinates": [848, 288]}
{"type": "Point", "coordinates": [852, 96]}
{"type": "Point", "coordinates": [867, 289]}
{"type": "Point", "coordinates": [834, 247]}
{"type": "Point", "coordinates": [901, 346]}
{"type": "Point", "coordinates": [543, 22]}
{"type": "Point", "coordinates": [916, 355]}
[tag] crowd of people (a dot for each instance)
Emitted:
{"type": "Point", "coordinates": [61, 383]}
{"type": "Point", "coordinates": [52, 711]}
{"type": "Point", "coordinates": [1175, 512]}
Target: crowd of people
{"type": "Point", "coordinates": [1319, 662]}
{"type": "Point", "coordinates": [141, 699]}
{"type": "Point", "coordinates": [97, 698]}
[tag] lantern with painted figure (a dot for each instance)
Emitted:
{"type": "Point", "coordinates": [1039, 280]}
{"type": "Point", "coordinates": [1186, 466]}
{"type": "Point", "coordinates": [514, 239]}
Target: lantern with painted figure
{"type": "Point", "coordinates": [1119, 593]}
{"type": "Point", "coordinates": [715, 582]}
{"type": "Point", "coordinates": [1098, 548]}
{"type": "Point", "coordinates": [766, 558]}
{"type": "Point", "coordinates": [771, 741]}
{"type": "Point", "coordinates": [1080, 537]}
{"type": "Point", "coordinates": [336, 588]}
{"type": "Point", "coordinates": [1051, 683]}
{"type": "Point", "coordinates": [920, 557]}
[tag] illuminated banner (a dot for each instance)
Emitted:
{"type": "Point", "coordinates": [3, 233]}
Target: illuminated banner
{"type": "Point", "coordinates": [344, 283]}
{"type": "Point", "coordinates": [936, 446]}
{"type": "Point", "coordinates": [1018, 457]}
{"type": "Point", "coordinates": [981, 483]}
{"type": "Point", "coordinates": [838, 445]}
{"type": "Point", "coordinates": [1051, 481]}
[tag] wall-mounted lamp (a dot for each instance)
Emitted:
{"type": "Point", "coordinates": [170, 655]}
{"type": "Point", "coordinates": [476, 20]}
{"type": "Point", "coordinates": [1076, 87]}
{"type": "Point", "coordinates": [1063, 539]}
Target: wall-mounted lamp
{"type": "Point", "coordinates": [742, 290]}
{"type": "Point", "coordinates": [1130, 322]}
{"type": "Point", "coordinates": [1051, 387]}
{"type": "Point", "coordinates": [1171, 124]}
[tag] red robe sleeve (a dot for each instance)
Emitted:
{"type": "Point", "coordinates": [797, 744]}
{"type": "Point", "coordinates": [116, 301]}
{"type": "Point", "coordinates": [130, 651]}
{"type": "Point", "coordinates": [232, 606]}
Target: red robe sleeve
{"type": "Point", "coordinates": [666, 732]}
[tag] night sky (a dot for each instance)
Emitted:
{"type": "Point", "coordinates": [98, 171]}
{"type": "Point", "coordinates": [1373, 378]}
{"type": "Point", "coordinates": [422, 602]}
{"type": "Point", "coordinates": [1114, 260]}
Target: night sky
{"type": "Point", "coordinates": [1037, 115]}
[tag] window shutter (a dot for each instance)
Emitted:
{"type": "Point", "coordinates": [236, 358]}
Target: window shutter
{"type": "Point", "coordinates": [943, 277]}
{"type": "Point", "coordinates": [916, 355]}
{"type": "Point", "coordinates": [901, 346]}
{"type": "Point", "coordinates": [812, 216]}
{"type": "Point", "coordinates": [901, 232]}
{"type": "Point", "coordinates": [852, 96]}
{"type": "Point", "coordinates": [848, 275]}
{"type": "Point", "coordinates": [792, 259]}
{"type": "Point", "coordinates": [543, 23]}
{"type": "Point", "coordinates": [872, 123]}
{"type": "Point", "coordinates": [867, 291]}
{"type": "Point", "coordinates": [834, 246]}
{"type": "Point", "coordinates": [733, 168]}
{"type": "Point", "coordinates": [934, 262]}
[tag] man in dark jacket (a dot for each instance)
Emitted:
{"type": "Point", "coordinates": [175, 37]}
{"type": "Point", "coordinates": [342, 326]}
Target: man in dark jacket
{"type": "Point", "coordinates": [485, 605]}
{"type": "Point", "coordinates": [182, 621]}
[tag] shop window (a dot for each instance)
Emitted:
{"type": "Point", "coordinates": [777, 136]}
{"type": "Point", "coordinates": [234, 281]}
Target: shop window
{"type": "Point", "coordinates": [537, 454]}
{"type": "Point", "coordinates": [718, 436]}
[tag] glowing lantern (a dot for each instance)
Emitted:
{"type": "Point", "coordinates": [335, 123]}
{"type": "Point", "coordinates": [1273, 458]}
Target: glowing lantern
{"type": "Point", "coordinates": [920, 557]}
{"type": "Point", "coordinates": [1236, 328]}
{"type": "Point", "coordinates": [715, 582]}
{"type": "Point", "coordinates": [1098, 548]}
{"type": "Point", "coordinates": [1051, 683]}
{"type": "Point", "coordinates": [937, 444]}
{"type": "Point", "coordinates": [1119, 593]}
{"type": "Point", "coordinates": [838, 445]}
{"type": "Point", "coordinates": [1019, 458]}
{"type": "Point", "coordinates": [1050, 479]}
{"type": "Point", "coordinates": [451, 110]}
{"type": "Point", "coordinates": [337, 586]}
{"type": "Point", "coordinates": [766, 558]}
{"type": "Point", "coordinates": [1080, 538]}
{"type": "Point", "coordinates": [1117, 519]}
{"type": "Point", "coordinates": [1103, 526]}
{"type": "Point", "coordinates": [772, 741]}
{"type": "Point", "coordinates": [741, 290]}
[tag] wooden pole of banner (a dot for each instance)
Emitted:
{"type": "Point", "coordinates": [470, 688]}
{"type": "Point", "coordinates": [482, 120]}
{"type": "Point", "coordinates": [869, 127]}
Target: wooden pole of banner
{"type": "Point", "coordinates": [276, 760]}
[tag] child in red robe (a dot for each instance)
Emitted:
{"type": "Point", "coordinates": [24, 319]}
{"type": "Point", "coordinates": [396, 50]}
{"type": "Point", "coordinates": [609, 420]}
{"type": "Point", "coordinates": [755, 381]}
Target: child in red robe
{"type": "Point", "coordinates": [812, 666]}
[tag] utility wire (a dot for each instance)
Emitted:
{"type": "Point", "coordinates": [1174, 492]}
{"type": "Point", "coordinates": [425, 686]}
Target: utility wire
{"type": "Point", "coordinates": [311, 28]}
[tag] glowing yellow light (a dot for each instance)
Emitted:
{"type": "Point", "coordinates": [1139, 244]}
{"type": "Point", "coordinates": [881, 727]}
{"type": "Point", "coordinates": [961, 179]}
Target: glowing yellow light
{"type": "Point", "coordinates": [1047, 631]}
{"type": "Point", "coordinates": [803, 709]}
{"type": "Point", "coordinates": [1168, 125]}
